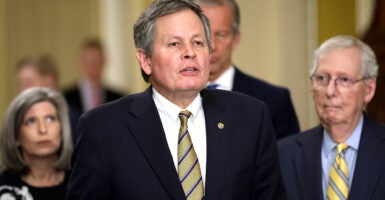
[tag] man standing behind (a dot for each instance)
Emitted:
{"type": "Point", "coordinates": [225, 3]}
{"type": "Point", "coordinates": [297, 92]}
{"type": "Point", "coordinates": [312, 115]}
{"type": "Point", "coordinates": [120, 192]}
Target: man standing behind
{"type": "Point", "coordinates": [224, 19]}
{"type": "Point", "coordinates": [343, 158]}
{"type": "Point", "coordinates": [176, 140]}
{"type": "Point", "coordinates": [89, 92]}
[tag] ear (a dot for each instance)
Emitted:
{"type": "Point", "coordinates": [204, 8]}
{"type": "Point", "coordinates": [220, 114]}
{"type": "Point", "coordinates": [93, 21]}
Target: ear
{"type": "Point", "coordinates": [144, 61]}
{"type": "Point", "coordinates": [370, 89]}
{"type": "Point", "coordinates": [237, 38]}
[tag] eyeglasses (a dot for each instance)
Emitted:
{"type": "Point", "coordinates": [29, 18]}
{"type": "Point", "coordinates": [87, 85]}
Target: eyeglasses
{"type": "Point", "coordinates": [342, 83]}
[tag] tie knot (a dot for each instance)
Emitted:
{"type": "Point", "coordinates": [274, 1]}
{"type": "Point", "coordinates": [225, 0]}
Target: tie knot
{"type": "Point", "coordinates": [212, 86]}
{"type": "Point", "coordinates": [184, 115]}
{"type": "Point", "coordinates": [341, 147]}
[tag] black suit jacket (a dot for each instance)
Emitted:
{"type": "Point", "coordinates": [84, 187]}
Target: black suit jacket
{"type": "Point", "coordinates": [300, 158]}
{"type": "Point", "coordinates": [278, 101]}
{"type": "Point", "coordinates": [123, 153]}
{"type": "Point", "coordinates": [75, 105]}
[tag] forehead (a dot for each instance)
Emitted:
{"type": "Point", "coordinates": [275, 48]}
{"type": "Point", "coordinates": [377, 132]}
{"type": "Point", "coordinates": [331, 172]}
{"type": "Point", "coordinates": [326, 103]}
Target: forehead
{"type": "Point", "coordinates": [218, 14]}
{"type": "Point", "coordinates": [184, 22]}
{"type": "Point", "coordinates": [42, 106]}
{"type": "Point", "coordinates": [344, 61]}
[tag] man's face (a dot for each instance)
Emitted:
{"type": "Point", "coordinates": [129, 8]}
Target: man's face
{"type": "Point", "coordinates": [336, 104]}
{"type": "Point", "coordinates": [29, 77]}
{"type": "Point", "coordinates": [180, 59]}
{"type": "Point", "coordinates": [224, 41]}
{"type": "Point", "coordinates": [92, 62]}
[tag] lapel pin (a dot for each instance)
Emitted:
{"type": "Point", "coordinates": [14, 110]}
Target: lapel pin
{"type": "Point", "coordinates": [221, 125]}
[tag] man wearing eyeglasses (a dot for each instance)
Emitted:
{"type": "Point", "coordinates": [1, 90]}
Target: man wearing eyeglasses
{"type": "Point", "coordinates": [343, 157]}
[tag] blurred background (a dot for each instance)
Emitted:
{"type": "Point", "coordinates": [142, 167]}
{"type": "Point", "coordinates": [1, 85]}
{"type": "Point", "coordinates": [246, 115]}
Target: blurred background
{"type": "Point", "coordinates": [278, 39]}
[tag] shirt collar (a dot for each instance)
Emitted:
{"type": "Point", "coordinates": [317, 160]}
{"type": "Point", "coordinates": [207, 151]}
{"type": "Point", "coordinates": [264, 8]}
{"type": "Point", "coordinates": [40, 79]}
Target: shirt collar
{"type": "Point", "coordinates": [353, 140]}
{"type": "Point", "coordinates": [225, 81]}
{"type": "Point", "coordinates": [171, 110]}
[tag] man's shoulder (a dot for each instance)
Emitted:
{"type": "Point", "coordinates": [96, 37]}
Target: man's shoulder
{"type": "Point", "coordinates": [70, 90]}
{"type": "Point", "coordinates": [254, 81]}
{"type": "Point", "coordinates": [224, 96]}
{"type": "Point", "coordinates": [112, 94]}
{"type": "Point", "coordinates": [300, 138]}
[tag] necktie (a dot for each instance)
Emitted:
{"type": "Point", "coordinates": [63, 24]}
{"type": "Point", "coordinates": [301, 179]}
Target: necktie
{"type": "Point", "coordinates": [212, 86]}
{"type": "Point", "coordinates": [338, 186]}
{"type": "Point", "coordinates": [96, 98]}
{"type": "Point", "coordinates": [188, 165]}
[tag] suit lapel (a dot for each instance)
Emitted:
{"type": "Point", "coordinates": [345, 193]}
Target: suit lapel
{"type": "Point", "coordinates": [370, 161]}
{"type": "Point", "coordinates": [308, 165]}
{"type": "Point", "coordinates": [147, 130]}
{"type": "Point", "coordinates": [216, 143]}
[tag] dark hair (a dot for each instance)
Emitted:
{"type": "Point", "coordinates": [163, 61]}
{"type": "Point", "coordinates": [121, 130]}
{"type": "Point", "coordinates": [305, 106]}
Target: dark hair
{"type": "Point", "coordinates": [92, 42]}
{"type": "Point", "coordinates": [144, 28]}
{"type": "Point", "coordinates": [44, 65]}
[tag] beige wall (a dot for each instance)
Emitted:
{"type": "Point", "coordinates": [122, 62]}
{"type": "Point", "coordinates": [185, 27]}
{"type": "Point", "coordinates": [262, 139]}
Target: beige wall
{"type": "Point", "coordinates": [49, 26]}
{"type": "Point", "coordinates": [4, 70]}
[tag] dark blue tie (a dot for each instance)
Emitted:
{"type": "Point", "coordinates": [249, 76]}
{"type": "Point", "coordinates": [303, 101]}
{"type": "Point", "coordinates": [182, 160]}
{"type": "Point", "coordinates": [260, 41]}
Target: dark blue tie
{"type": "Point", "coordinates": [212, 86]}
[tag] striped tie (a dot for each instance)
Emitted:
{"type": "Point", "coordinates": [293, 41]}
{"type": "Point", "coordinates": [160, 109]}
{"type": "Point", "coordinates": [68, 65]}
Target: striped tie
{"type": "Point", "coordinates": [188, 165]}
{"type": "Point", "coordinates": [338, 186]}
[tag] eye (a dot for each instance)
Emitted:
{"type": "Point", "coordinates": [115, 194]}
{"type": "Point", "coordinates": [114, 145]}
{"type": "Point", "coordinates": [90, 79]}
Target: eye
{"type": "Point", "coordinates": [198, 43]}
{"type": "Point", "coordinates": [222, 34]}
{"type": "Point", "coordinates": [173, 44]}
{"type": "Point", "coordinates": [30, 121]}
{"type": "Point", "coordinates": [322, 78]}
{"type": "Point", "coordinates": [51, 118]}
{"type": "Point", "coordinates": [344, 79]}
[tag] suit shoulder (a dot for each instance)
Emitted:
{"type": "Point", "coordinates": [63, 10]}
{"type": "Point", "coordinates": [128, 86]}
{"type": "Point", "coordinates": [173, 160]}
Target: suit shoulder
{"type": "Point", "coordinates": [257, 82]}
{"type": "Point", "coordinates": [113, 94]}
{"type": "Point", "coordinates": [301, 137]}
{"type": "Point", "coordinates": [232, 98]}
{"type": "Point", "coordinates": [71, 90]}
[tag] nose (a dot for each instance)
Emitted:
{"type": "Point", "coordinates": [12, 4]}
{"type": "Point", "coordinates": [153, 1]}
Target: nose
{"type": "Point", "coordinates": [42, 127]}
{"type": "Point", "coordinates": [189, 52]}
{"type": "Point", "coordinates": [331, 88]}
{"type": "Point", "coordinates": [213, 42]}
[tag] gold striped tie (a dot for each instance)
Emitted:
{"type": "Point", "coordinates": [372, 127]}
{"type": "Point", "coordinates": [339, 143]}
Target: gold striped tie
{"type": "Point", "coordinates": [338, 186]}
{"type": "Point", "coordinates": [188, 165]}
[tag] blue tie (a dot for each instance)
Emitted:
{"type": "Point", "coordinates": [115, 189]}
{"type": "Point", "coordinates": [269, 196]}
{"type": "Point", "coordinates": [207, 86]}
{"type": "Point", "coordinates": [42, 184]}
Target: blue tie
{"type": "Point", "coordinates": [212, 86]}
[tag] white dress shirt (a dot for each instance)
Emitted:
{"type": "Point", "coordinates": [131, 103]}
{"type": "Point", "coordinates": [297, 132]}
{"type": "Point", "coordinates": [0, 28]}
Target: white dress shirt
{"type": "Point", "coordinates": [226, 80]}
{"type": "Point", "coordinates": [169, 115]}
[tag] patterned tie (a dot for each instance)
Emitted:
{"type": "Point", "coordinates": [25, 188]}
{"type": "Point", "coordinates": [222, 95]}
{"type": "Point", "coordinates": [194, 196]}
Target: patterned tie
{"type": "Point", "coordinates": [338, 187]}
{"type": "Point", "coordinates": [188, 165]}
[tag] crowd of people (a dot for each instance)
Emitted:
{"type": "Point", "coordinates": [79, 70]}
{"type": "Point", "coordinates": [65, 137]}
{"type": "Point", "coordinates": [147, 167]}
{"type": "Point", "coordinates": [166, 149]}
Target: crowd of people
{"type": "Point", "coordinates": [203, 129]}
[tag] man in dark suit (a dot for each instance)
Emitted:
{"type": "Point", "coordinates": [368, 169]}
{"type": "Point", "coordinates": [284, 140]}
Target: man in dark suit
{"type": "Point", "coordinates": [130, 148]}
{"type": "Point", "coordinates": [224, 19]}
{"type": "Point", "coordinates": [344, 156]}
{"type": "Point", "coordinates": [89, 92]}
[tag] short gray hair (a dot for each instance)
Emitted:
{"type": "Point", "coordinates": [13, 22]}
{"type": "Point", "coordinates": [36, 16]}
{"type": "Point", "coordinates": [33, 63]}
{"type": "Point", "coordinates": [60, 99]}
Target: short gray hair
{"type": "Point", "coordinates": [233, 6]}
{"type": "Point", "coordinates": [368, 58]}
{"type": "Point", "coordinates": [12, 122]}
{"type": "Point", "coordinates": [144, 28]}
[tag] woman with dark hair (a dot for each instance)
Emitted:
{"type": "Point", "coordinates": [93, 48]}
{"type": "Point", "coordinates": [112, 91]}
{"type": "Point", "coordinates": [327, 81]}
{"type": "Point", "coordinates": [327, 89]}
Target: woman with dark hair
{"type": "Point", "coordinates": [36, 146]}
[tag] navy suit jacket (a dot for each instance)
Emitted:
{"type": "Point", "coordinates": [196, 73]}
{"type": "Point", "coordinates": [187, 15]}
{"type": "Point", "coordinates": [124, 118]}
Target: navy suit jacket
{"type": "Point", "coordinates": [300, 158]}
{"type": "Point", "coordinates": [122, 152]}
{"type": "Point", "coordinates": [76, 108]}
{"type": "Point", "coordinates": [278, 102]}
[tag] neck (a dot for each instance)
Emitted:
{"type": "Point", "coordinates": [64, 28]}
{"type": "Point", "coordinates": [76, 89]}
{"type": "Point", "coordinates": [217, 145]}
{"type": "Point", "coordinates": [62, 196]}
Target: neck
{"type": "Point", "coordinates": [339, 133]}
{"type": "Point", "coordinates": [180, 98]}
{"type": "Point", "coordinates": [42, 173]}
